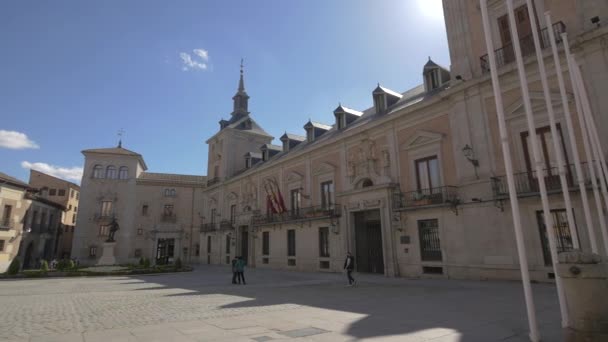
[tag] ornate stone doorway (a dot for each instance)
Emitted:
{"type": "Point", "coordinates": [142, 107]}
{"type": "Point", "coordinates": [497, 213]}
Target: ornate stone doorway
{"type": "Point", "coordinates": [368, 242]}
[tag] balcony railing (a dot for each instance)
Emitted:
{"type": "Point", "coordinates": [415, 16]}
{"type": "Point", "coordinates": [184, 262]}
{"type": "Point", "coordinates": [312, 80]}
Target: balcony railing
{"type": "Point", "coordinates": [169, 218]}
{"type": "Point", "coordinates": [103, 216]}
{"type": "Point", "coordinates": [300, 214]}
{"type": "Point", "coordinates": [443, 195]}
{"type": "Point", "coordinates": [7, 224]}
{"type": "Point", "coordinates": [213, 181]}
{"type": "Point", "coordinates": [506, 54]}
{"type": "Point", "coordinates": [208, 227]}
{"type": "Point", "coordinates": [226, 225]}
{"type": "Point", "coordinates": [526, 183]}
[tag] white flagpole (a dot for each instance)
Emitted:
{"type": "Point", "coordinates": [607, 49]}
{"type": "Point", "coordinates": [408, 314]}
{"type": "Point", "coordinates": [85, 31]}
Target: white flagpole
{"type": "Point", "coordinates": [595, 147]}
{"type": "Point", "coordinates": [537, 160]}
{"type": "Point", "coordinates": [506, 152]}
{"type": "Point", "coordinates": [557, 141]}
{"type": "Point", "coordinates": [585, 137]}
{"type": "Point", "coordinates": [570, 127]}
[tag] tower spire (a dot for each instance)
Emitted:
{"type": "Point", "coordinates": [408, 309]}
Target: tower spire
{"type": "Point", "coordinates": [241, 98]}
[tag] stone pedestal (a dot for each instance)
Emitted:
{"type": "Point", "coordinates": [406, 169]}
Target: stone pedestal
{"type": "Point", "coordinates": [585, 279]}
{"type": "Point", "coordinates": [107, 255]}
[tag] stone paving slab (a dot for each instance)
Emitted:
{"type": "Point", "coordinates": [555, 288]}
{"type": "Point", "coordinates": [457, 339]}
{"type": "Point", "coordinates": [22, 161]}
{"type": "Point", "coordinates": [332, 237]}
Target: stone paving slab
{"type": "Point", "coordinates": [274, 306]}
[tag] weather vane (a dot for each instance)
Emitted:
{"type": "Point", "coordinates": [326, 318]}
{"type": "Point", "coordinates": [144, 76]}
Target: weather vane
{"type": "Point", "coordinates": [120, 133]}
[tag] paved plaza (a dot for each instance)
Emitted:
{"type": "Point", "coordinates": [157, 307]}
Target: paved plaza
{"type": "Point", "coordinates": [274, 306]}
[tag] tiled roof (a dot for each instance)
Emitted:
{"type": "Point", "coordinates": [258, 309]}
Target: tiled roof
{"type": "Point", "coordinates": [292, 137]}
{"type": "Point", "coordinates": [4, 178]}
{"type": "Point", "coordinates": [118, 151]}
{"type": "Point", "coordinates": [318, 125]}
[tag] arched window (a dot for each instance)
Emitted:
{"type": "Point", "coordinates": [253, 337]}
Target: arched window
{"type": "Point", "coordinates": [123, 172]}
{"type": "Point", "coordinates": [367, 183]}
{"type": "Point", "coordinates": [97, 171]}
{"type": "Point", "coordinates": [111, 172]}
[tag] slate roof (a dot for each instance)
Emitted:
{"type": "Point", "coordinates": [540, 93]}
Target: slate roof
{"type": "Point", "coordinates": [171, 177]}
{"type": "Point", "coordinates": [293, 137]}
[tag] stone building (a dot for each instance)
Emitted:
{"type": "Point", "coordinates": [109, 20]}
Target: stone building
{"type": "Point", "coordinates": [65, 193]}
{"type": "Point", "coordinates": [28, 225]}
{"type": "Point", "coordinates": [413, 186]}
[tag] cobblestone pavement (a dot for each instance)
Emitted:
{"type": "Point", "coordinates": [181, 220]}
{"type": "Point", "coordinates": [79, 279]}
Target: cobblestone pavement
{"type": "Point", "coordinates": [274, 306]}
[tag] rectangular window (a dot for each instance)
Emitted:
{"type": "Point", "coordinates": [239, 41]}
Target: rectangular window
{"type": "Point", "coordinates": [233, 213]}
{"type": "Point", "coordinates": [61, 192]}
{"type": "Point", "coordinates": [430, 245]}
{"type": "Point", "coordinates": [324, 242]}
{"type": "Point", "coordinates": [75, 209]}
{"type": "Point", "coordinates": [212, 218]}
{"type": "Point", "coordinates": [291, 242]}
{"type": "Point", "coordinates": [140, 231]}
{"type": "Point", "coordinates": [137, 253]}
{"type": "Point", "coordinates": [295, 201]}
{"type": "Point", "coordinates": [548, 158]}
{"type": "Point", "coordinates": [266, 243]}
{"type": "Point", "coordinates": [144, 210]}
{"type": "Point", "coordinates": [208, 244]}
{"type": "Point", "coordinates": [71, 193]}
{"type": "Point", "coordinates": [106, 208]}
{"type": "Point", "coordinates": [1, 245]}
{"type": "Point", "coordinates": [563, 233]}
{"type": "Point", "coordinates": [74, 218]}
{"type": "Point", "coordinates": [52, 192]}
{"type": "Point", "coordinates": [197, 250]}
{"type": "Point", "coordinates": [6, 215]}
{"type": "Point", "coordinates": [104, 230]}
{"type": "Point", "coordinates": [168, 210]}
{"type": "Point", "coordinates": [77, 195]}
{"type": "Point", "coordinates": [69, 207]}
{"type": "Point", "coordinates": [327, 195]}
{"type": "Point", "coordinates": [93, 251]}
{"type": "Point", "coordinates": [324, 264]}
{"type": "Point", "coordinates": [227, 244]}
{"type": "Point", "coordinates": [427, 173]}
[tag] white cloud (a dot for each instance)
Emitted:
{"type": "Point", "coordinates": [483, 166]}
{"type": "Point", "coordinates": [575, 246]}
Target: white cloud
{"type": "Point", "coordinates": [16, 140]}
{"type": "Point", "coordinates": [73, 174]}
{"type": "Point", "coordinates": [197, 61]}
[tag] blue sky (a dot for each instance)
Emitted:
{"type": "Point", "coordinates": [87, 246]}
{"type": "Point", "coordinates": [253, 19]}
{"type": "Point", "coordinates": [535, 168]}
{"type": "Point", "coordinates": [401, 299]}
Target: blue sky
{"type": "Point", "coordinates": [72, 73]}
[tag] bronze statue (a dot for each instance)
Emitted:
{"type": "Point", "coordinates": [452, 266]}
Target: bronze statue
{"type": "Point", "coordinates": [113, 228]}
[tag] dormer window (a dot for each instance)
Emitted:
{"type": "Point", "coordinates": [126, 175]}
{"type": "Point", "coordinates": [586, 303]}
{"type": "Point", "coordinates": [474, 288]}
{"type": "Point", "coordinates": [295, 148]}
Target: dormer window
{"type": "Point", "coordinates": [345, 116]}
{"type": "Point", "coordinates": [384, 98]}
{"type": "Point", "coordinates": [434, 76]}
{"type": "Point", "coordinates": [380, 103]}
{"type": "Point", "coordinates": [265, 155]}
{"type": "Point", "coordinates": [341, 121]}
{"type": "Point", "coordinates": [247, 162]}
{"type": "Point", "coordinates": [432, 79]}
{"type": "Point", "coordinates": [310, 137]}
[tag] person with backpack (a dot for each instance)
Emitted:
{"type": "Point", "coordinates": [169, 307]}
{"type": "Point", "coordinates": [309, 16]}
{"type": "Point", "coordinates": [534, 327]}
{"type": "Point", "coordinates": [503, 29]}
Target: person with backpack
{"type": "Point", "coordinates": [349, 266]}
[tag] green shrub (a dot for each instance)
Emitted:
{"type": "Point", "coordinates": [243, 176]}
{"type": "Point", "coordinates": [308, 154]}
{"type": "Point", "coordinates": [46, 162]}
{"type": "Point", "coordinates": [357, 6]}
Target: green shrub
{"type": "Point", "coordinates": [146, 262]}
{"type": "Point", "coordinates": [141, 261]}
{"type": "Point", "coordinates": [71, 264]}
{"type": "Point", "coordinates": [178, 263]}
{"type": "Point", "coordinates": [14, 267]}
{"type": "Point", "coordinates": [63, 264]}
{"type": "Point", "coordinates": [44, 266]}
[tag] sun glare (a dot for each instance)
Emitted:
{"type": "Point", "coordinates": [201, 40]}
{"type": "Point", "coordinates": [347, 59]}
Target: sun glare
{"type": "Point", "coordinates": [431, 8]}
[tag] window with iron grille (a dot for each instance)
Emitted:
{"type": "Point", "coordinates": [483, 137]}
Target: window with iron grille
{"type": "Point", "coordinates": [227, 244]}
{"type": "Point", "coordinates": [324, 242]}
{"type": "Point", "coordinates": [265, 243]}
{"type": "Point", "coordinates": [93, 251]}
{"type": "Point", "coordinates": [208, 244]}
{"type": "Point", "coordinates": [144, 210]}
{"type": "Point", "coordinates": [52, 192]}
{"type": "Point", "coordinates": [291, 242]}
{"type": "Point", "coordinates": [430, 245]}
{"type": "Point", "coordinates": [61, 192]}
{"type": "Point", "coordinates": [295, 201]}
{"type": "Point", "coordinates": [327, 194]}
{"type": "Point", "coordinates": [233, 213]}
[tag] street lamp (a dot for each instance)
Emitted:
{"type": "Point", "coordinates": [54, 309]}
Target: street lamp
{"type": "Point", "coordinates": [470, 155]}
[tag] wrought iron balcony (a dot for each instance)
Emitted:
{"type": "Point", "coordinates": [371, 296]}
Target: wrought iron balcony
{"type": "Point", "coordinates": [169, 218]}
{"type": "Point", "coordinates": [208, 227]}
{"type": "Point", "coordinates": [526, 183]}
{"type": "Point", "coordinates": [300, 214]}
{"type": "Point", "coordinates": [439, 196]}
{"type": "Point", "coordinates": [506, 54]}
{"type": "Point", "coordinates": [7, 224]}
{"type": "Point", "coordinates": [213, 181]}
{"type": "Point", "coordinates": [226, 225]}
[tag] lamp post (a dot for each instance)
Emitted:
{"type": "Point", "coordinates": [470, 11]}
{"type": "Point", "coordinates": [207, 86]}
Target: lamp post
{"type": "Point", "coordinates": [470, 155]}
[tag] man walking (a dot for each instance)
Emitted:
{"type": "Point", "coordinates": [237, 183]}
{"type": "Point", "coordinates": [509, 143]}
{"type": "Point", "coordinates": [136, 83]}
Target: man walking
{"type": "Point", "coordinates": [234, 271]}
{"type": "Point", "coordinates": [349, 266]}
{"type": "Point", "coordinates": [240, 268]}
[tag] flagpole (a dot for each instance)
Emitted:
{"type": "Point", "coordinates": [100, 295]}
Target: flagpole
{"type": "Point", "coordinates": [537, 159]}
{"type": "Point", "coordinates": [595, 147]}
{"type": "Point", "coordinates": [587, 147]}
{"type": "Point", "coordinates": [506, 151]}
{"type": "Point", "coordinates": [557, 143]}
{"type": "Point", "coordinates": [570, 127]}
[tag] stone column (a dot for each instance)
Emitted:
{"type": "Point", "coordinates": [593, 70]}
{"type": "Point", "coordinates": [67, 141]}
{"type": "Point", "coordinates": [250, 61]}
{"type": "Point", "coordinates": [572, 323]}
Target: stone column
{"type": "Point", "coordinates": [585, 279]}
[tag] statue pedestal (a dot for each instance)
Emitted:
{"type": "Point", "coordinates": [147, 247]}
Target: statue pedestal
{"type": "Point", "coordinates": [107, 255]}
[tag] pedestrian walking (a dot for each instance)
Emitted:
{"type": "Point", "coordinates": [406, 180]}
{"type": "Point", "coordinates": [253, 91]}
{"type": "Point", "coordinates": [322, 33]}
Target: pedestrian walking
{"type": "Point", "coordinates": [234, 270]}
{"type": "Point", "coordinates": [240, 268]}
{"type": "Point", "coordinates": [349, 266]}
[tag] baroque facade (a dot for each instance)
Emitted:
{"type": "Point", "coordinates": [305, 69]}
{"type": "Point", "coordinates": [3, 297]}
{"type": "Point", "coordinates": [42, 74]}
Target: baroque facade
{"type": "Point", "coordinates": [412, 186]}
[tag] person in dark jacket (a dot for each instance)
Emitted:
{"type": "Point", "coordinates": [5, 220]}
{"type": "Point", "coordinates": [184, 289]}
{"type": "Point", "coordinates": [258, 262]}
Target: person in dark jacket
{"type": "Point", "coordinates": [349, 266]}
{"type": "Point", "coordinates": [234, 271]}
{"type": "Point", "coordinates": [240, 267]}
